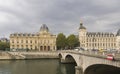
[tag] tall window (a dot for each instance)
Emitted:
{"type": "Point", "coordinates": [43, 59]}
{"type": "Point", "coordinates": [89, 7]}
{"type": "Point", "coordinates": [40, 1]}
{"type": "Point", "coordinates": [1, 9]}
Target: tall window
{"type": "Point", "coordinates": [22, 46]}
{"type": "Point", "coordinates": [17, 46]}
{"type": "Point", "coordinates": [26, 46]}
{"type": "Point", "coordinates": [26, 41]}
{"type": "Point", "coordinates": [12, 41]}
{"type": "Point", "coordinates": [17, 41]}
{"type": "Point", "coordinates": [13, 46]}
{"type": "Point", "coordinates": [21, 41]}
{"type": "Point", "coordinates": [30, 41]}
{"type": "Point", "coordinates": [31, 46]}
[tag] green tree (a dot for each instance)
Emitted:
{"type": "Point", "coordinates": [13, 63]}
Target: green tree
{"type": "Point", "coordinates": [61, 41]}
{"type": "Point", "coordinates": [4, 45]}
{"type": "Point", "coordinates": [72, 41]}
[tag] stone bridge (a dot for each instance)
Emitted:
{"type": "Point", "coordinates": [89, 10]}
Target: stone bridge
{"type": "Point", "coordinates": [85, 61]}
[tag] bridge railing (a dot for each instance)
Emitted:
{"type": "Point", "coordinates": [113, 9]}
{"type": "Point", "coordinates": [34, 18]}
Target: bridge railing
{"type": "Point", "coordinates": [116, 55]}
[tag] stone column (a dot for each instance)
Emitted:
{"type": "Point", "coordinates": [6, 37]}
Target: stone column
{"type": "Point", "coordinates": [78, 70]}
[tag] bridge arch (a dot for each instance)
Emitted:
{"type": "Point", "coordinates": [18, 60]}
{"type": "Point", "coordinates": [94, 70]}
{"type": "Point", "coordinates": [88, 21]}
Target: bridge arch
{"type": "Point", "coordinates": [102, 69]}
{"type": "Point", "coordinates": [70, 59]}
{"type": "Point", "coordinates": [73, 58]}
{"type": "Point", "coordinates": [86, 62]}
{"type": "Point", "coordinates": [60, 55]}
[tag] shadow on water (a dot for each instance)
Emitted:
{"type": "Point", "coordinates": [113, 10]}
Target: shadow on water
{"type": "Point", "coordinates": [41, 66]}
{"type": "Point", "coordinates": [102, 69]}
{"type": "Point", "coordinates": [66, 68]}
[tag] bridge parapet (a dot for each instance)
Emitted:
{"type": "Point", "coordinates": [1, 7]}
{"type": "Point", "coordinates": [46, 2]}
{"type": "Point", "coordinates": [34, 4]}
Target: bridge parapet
{"type": "Point", "coordinates": [93, 54]}
{"type": "Point", "coordinates": [84, 59]}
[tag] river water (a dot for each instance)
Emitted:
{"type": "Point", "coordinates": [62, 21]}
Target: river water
{"type": "Point", "coordinates": [42, 66]}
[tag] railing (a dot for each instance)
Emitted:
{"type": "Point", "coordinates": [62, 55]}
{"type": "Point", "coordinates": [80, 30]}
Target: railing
{"type": "Point", "coordinates": [99, 54]}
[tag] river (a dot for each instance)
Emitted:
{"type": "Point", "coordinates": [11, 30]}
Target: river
{"type": "Point", "coordinates": [41, 66]}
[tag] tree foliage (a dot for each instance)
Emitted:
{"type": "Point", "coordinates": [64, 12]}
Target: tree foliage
{"type": "Point", "coordinates": [64, 43]}
{"type": "Point", "coordinates": [61, 41]}
{"type": "Point", "coordinates": [72, 41]}
{"type": "Point", "coordinates": [4, 45]}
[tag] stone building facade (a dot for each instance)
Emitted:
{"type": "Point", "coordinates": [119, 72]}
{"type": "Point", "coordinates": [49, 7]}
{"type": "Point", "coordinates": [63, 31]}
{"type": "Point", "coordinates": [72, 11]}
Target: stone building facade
{"type": "Point", "coordinates": [41, 41]}
{"type": "Point", "coordinates": [98, 40]}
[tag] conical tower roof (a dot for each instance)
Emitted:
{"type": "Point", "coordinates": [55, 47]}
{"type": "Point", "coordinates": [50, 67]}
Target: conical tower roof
{"type": "Point", "coordinates": [81, 26]}
{"type": "Point", "coordinates": [118, 33]}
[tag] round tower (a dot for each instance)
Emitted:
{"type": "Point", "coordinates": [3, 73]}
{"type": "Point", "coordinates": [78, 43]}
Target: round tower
{"type": "Point", "coordinates": [118, 40]}
{"type": "Point", "coordinates": [82, 35]}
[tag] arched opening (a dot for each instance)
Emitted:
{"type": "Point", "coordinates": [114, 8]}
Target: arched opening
{"type": "Point", "coordinates": [60, 56]}
{"type": "Point", "coordinates": [41, 48]}
{"type": "Point", "coordinates": [70, 59]}
{"type": "Point", "coordinates": [48, 48]}
{"type": "Point", "coordinates": [102, 69]}
{"type": "Point", "coordinates": [45, 49]}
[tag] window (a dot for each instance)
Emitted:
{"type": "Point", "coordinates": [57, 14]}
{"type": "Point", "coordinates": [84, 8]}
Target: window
{"type": "Point", "coordinates": [12, 41]}
{"type": "Point", "coordinates": [30, 41]}
{"type": "Point", "coordinates": [17, 46]}
{"type": "Point", "coordinates": [21, 41]}
{"type": "Point", "coordinates": [17, 41]}
{"type": "Point", "coordinates": [35, 41]}
{"type": "Point", "coordinates": [31, 46]}
{"type": "Point", "coordinates": [12, 46]}
{"type": "Point", "coordinates": [26, 41]}
{"type": "Point", "coordinates": [26, 46]}
{"type": "Point", "coordinates": [21, 46]}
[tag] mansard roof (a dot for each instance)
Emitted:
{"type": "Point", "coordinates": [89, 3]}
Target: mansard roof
{"type": "Point", "coordinates": [28, 35]}
{"type": "Point", "coordinates": [118, 33]}
{"type": "Point", "coordinates": [22, 34]}
{"type": "Point", "coordinates": [99, 34]}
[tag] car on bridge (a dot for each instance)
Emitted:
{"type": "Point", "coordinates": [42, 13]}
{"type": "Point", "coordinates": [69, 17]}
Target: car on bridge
{"type": "Point", "coordinates": [110, 56]}
{"type": "Point", "coordinates": [103, 50]}
{"type": "Point", "coordinates": [95, 50]}
{"type": "Point", "coordinates": [112, 50]}
{"type": "Point", "coordinates": [80, 49]}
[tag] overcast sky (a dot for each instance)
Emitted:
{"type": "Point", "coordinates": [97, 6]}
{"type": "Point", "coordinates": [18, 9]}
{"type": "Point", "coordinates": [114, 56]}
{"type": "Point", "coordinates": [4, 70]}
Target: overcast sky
{"type": "Point", "coordinates": [64, 16]}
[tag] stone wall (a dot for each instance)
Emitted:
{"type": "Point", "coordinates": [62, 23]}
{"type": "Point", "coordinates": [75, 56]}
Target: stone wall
{"type": "Point", "coordinates": [28, 55]}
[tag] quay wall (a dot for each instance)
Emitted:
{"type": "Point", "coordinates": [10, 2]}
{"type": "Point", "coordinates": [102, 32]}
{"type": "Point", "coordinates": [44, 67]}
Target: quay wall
{"type": "Point", "coordinates": [28, 55]}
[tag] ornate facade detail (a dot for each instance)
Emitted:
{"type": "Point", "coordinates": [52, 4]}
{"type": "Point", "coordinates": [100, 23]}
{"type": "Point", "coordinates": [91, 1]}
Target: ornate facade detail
{"type": "Point", "coordinates": [98, 40]}
{"type": "Point", "coordinates": [41, 41]}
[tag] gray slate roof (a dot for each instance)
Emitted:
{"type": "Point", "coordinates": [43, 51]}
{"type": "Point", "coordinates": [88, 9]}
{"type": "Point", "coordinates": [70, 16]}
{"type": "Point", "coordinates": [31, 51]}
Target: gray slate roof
{"type": "Point", "coordinates": [81, 26]}
{"type": "Point", "coordinates": [118, 33]}
{"type": "Point", "coordinates": [44, 28]}
{"type": "Point", "coordinates": [99, 34]}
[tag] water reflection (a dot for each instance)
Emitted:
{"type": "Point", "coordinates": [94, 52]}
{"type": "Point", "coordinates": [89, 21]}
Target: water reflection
{"type": "Point", "coordinates": [43, 66]}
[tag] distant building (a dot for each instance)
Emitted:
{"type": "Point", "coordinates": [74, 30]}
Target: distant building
{"type": "Point", "coordinates": [4, 40]}
{"type": "Point", "coordinates": [41, 41]}
{"type": "Point", "coordinates": [98, 40]}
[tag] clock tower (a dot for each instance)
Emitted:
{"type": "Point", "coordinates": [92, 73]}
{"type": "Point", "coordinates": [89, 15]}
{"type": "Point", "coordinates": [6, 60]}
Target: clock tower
{"type": "Point", "coordinates": [82, 35]}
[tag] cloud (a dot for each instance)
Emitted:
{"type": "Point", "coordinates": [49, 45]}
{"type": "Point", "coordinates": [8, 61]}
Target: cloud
{"type": "Point", "coordinates": [59, 15]}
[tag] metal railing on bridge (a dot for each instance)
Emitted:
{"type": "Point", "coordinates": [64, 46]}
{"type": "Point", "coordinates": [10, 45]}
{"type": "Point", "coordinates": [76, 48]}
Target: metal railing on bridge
{"type": "Point", "coordinates": [99, 54]}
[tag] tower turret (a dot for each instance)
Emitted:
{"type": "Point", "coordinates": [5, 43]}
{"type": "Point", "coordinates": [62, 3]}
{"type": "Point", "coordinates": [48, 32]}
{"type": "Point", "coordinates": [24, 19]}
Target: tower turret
{"type": "Point", "coordinates": [81, 26]}
{"type": "Point", "coordinates": [118, 39]}
{"type": "Point", "coordinates": [82, 35]}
